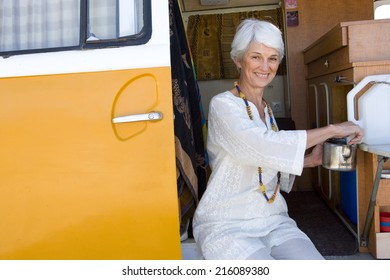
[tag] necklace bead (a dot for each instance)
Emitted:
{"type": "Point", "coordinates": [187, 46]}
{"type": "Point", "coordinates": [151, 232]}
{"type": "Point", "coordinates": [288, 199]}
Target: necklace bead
{"type": "Point", "coordinates": [274, 128]}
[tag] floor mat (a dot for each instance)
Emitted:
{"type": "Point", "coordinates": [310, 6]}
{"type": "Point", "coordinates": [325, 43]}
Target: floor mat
{"type": "Point", "coordinates": [330, 236]}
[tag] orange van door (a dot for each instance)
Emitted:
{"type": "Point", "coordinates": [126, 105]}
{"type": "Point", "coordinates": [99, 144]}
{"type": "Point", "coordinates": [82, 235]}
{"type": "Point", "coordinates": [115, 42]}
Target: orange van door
{"type": "Point", "coordinates": [87, 165]}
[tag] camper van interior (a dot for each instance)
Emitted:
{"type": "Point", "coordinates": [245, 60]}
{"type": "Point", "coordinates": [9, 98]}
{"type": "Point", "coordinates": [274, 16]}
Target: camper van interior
{"type": "Point", "coordinates": [305, 93]}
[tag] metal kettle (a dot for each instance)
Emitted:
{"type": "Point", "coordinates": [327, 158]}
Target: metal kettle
{"type": "Point", "coordinates": [338, 155]}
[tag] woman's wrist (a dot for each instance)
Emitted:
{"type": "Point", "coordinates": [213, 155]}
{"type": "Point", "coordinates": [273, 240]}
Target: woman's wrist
{"type": "Point", "coordinates": [308, 161]}
{"type": "Point", "coordinates": [331, 130]}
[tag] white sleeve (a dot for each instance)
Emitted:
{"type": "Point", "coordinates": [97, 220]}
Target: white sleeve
{"type": "Point", "coordinates": [248, 141]}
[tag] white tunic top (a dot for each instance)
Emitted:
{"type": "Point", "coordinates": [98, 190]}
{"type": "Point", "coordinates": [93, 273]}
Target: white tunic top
{"type": "Point", "coordinates": [233, 219]}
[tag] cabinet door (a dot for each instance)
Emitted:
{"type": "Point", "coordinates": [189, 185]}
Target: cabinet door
{"type": "Point", "coordinates": [313, 123]}
{"type": "Point", "coordinates": [313, 106]}
{"type": "Point", "coordinates": [338, 113]}
{"type": "Point", "coordinates": [324, 120]}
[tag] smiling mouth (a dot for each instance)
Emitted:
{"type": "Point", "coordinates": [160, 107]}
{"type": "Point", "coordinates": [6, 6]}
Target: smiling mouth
{"type": "Point", "coordinates": [261, 75]}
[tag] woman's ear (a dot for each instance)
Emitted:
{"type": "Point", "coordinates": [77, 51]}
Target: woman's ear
{"type": "Point", "coordinates": [237, 63]}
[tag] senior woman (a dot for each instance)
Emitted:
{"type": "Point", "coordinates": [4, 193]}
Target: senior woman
{"type": "Point", "coordinates": [242, 214]}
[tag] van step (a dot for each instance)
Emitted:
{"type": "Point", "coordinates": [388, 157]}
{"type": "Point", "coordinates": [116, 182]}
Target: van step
{"type": "Point", "coordinates": [190, 250]}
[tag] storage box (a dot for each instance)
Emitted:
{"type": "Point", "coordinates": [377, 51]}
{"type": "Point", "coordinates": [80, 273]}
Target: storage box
{"type": "Point", "coordinates": [379, 242]}
{"type": "Point", "coordinates": [381, 250]}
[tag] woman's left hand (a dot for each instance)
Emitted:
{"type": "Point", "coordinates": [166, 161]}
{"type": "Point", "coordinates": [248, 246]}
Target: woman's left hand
{"type": "Point", "coordinates": [348, 129]}
{"type": "Point", "coordinates": [315, 157]}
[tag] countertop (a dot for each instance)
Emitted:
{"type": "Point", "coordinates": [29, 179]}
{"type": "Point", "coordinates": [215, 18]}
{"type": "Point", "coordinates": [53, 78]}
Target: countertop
{"type": "Point", "coordinates": [382, 150]}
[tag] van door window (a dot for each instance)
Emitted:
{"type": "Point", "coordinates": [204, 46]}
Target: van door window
{"type": "Point", "coordinates": [40, 24]}
{"type": "Point", "coordinates": [48, 25]}
{"type": "Point", "coordinates": [113, 19]}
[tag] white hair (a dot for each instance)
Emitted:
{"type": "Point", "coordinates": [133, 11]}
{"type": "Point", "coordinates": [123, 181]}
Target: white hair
{"type": "Point", "coordinates": [259, 31]}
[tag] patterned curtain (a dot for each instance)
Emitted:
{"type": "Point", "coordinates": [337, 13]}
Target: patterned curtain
{"type": "Point", "coordinates": [191, 159]}
{"type": "Point", "coordinates": [210, 38]}
{"type": "Point", "coordinates": [103, 19]}
{"type": "Point", "coordinates": [38, 24]}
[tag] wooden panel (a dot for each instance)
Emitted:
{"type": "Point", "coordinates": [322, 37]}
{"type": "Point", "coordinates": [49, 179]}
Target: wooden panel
{"type": "Point", "coordinates": [333, 62]}
{"type": "Point", "coordinates": [369, 40]}
{"type": "Point", "coordinates": [365, 40]}
{"type": "Point", "coordinates": [383, 195]}
{"type": "Point", "coordinates": [335, 39]}
{"type": "Point", "coordinates": [312, 108]}
{"type": "Point", "coordinates": [338, 102]}
{"type": "Point", "coordinates": [364, 69]}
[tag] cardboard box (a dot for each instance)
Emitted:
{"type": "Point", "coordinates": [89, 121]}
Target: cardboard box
{"type": "Point", "coordinates": [379, 242]}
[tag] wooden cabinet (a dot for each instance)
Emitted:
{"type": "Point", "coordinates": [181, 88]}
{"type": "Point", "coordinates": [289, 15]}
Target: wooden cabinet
{"type": "Point", "coordinates": [335, 63]}
{"type": "Point", "coordinates": [346, 43]}
{"type": "Point", "coordinates": [327, 105]}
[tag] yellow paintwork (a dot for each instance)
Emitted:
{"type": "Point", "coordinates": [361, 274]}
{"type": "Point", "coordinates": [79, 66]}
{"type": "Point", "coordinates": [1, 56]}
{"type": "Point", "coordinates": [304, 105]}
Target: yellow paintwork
{"type": "Point", "coordinates": [75, 186]}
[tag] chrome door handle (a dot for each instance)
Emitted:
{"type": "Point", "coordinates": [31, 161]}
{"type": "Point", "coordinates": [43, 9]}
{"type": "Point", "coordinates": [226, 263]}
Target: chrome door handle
{"type": "Point", "coordinates": [152, 116]}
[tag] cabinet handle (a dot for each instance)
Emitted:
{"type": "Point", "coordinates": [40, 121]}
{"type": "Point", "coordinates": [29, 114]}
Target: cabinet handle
{"type": "Point", "coordinates": [326, 63]}
{"type": "Point", "coordinates": [342, 79]}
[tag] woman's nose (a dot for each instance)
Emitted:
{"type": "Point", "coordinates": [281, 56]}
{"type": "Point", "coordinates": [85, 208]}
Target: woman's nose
{"type": "Point", "coordinates": [264, 65]}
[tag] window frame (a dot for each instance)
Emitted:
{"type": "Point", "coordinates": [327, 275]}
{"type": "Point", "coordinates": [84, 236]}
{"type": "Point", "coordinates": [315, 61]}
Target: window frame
{"type": "Point", "coordinates": [140, 38]}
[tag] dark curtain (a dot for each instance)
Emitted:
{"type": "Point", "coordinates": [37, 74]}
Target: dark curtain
{"type": "Point", "coordinates": [210, 38]}
{"type": "Point", "coordinates": [191, 158]}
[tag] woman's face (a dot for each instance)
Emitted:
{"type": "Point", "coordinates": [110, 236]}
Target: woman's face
{"type": "Point", "coordinates": [259, 65]}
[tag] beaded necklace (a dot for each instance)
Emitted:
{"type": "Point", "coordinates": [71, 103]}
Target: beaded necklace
{"type": "Point", "coordinates": [274, 128]}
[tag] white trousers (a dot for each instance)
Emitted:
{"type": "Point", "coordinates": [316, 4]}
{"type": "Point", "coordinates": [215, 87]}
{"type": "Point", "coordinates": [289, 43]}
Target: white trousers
{"type": "Point", "coordinates": [294, 249]}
